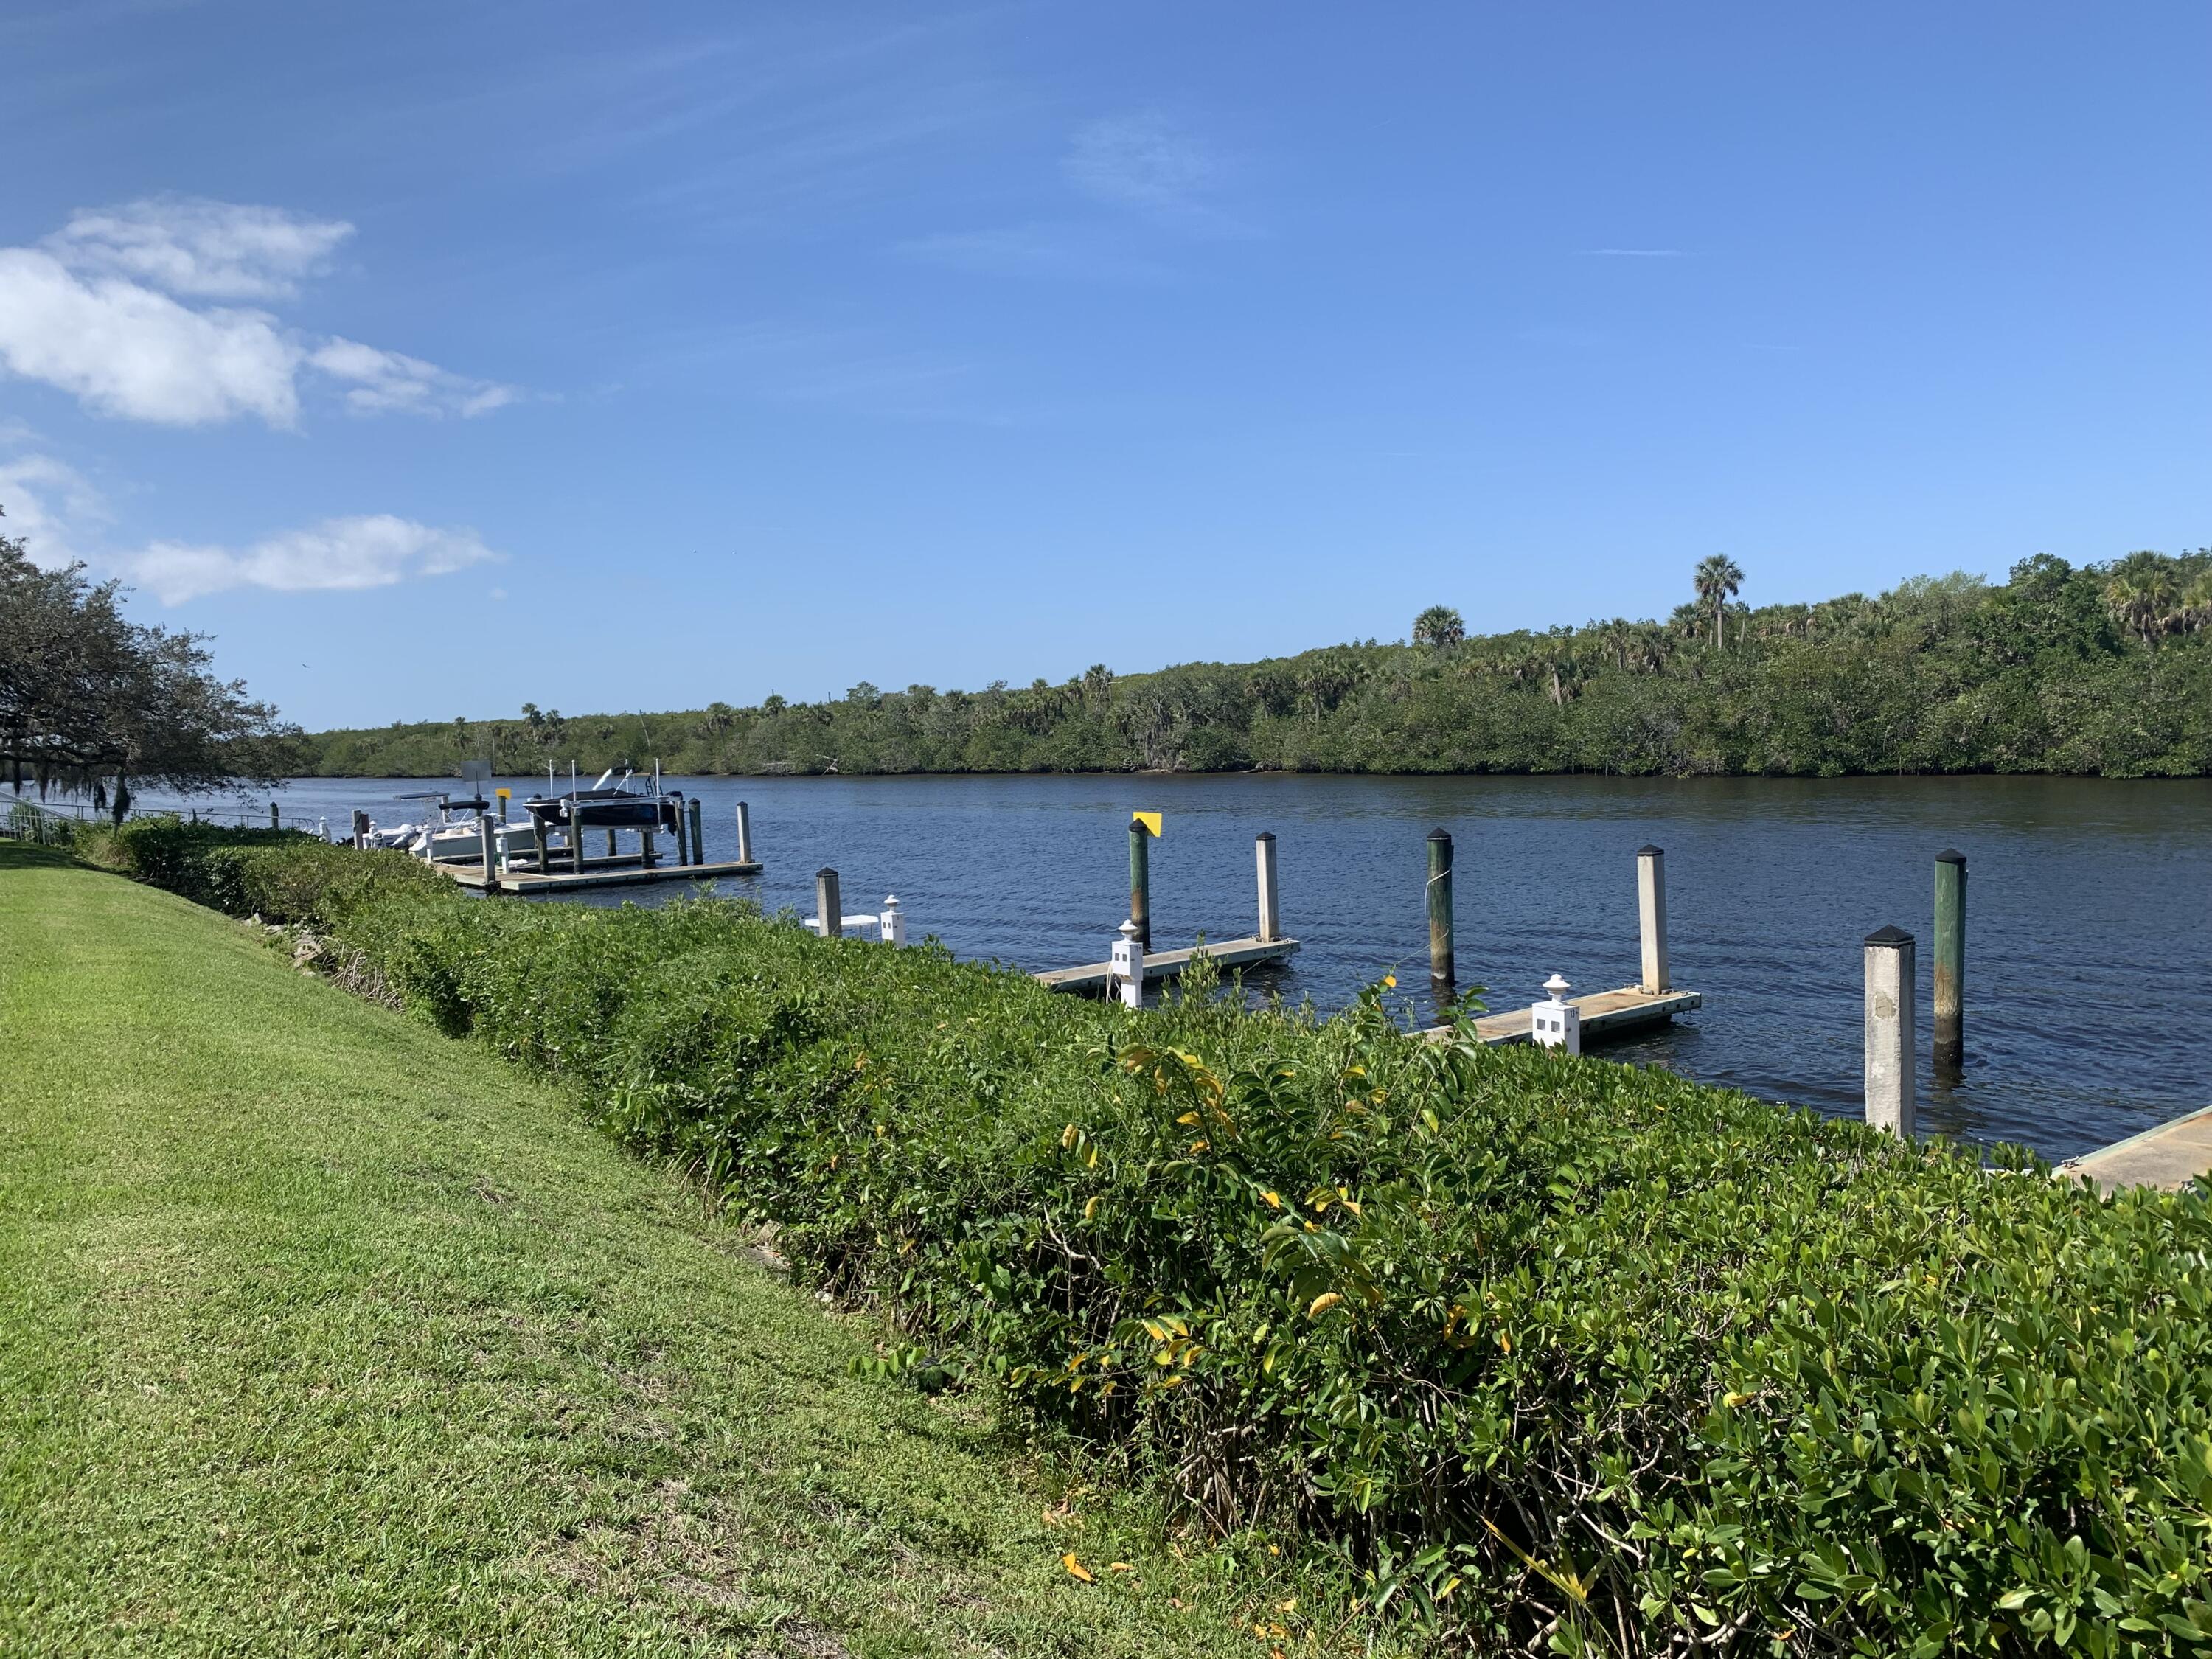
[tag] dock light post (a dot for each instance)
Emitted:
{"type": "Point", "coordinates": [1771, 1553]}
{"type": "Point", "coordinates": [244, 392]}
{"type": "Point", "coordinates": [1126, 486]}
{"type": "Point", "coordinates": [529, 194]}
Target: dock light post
{"type": "Point", "coordinates": [1556, 1023]}
{"type": "Point", "coordinates": [1442, 976]}
{"type": "Point", "coordinates": [1651, 917]}
{"type": "Point", "coordinates": [1950, 977]}
{"type": "Point", "coordinates": [1140, 881]}
{"type": "Point", "coordinates": [1889, 1057]}
{"type": "Point", "coordinates": [1270, 915]}
{"type": "Point", "coordinates": [828, 905]}
{"type": "Point", "coordinates": [1127, 978]}
{"type": "Point", "coordinates": [891, 925]}
{"type": "Point", "coordinates": [745, 833]}
{"type": "Point", "coordinates": [692, 810]}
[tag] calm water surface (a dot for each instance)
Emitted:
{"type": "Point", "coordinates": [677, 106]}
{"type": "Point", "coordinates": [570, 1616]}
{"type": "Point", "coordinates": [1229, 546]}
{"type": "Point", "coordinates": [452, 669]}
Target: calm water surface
{"type": "Point", "coordinates": [2089, 908]}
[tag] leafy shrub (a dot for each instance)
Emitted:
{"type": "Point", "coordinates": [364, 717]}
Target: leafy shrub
{"type": "Point", "coordinates": [1551, 1353]}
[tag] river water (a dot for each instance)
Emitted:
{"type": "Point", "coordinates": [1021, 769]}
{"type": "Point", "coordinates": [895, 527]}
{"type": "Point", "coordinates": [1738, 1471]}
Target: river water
{"type": "Point", "coordinates": [2089, 906]}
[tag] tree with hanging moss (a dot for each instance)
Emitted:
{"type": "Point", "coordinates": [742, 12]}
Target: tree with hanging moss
{"type": "Point", "coordinates": [92, 703]}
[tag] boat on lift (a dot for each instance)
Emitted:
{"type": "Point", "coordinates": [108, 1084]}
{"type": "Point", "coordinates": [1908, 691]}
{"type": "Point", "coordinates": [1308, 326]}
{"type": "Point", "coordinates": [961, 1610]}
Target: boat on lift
{"type": "Point", "coordinates": [608, 804]}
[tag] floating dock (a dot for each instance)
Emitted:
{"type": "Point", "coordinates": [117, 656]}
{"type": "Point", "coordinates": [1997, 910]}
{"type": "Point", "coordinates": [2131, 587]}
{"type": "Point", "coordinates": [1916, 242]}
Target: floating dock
{"type": "Point", "coordinates": [1606, 1015]}
{"type": "Point", "coordinates": [2168, 1156]}
{"type": "Point", "coordinates": [1168, 964]}
{"type": "Point", "coordinates": [618, 872]}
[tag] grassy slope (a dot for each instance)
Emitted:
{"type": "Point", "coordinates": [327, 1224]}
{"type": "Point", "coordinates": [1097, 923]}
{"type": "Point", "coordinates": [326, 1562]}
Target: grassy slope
{"type": "Point", "coordinates": [317, 1333]}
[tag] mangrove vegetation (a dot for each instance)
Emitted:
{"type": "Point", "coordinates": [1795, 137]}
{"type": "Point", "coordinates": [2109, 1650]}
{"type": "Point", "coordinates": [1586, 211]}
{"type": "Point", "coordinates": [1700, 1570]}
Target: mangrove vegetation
{"type": "Point", "coordinates": [2100, 670]}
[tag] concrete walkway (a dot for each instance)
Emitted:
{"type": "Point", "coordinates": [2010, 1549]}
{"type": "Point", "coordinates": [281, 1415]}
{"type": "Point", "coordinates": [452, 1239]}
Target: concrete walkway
{"type": "Point", "coordinates": [2169, 1156]}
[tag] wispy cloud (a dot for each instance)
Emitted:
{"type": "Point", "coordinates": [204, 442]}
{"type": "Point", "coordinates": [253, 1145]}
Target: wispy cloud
{"type": "Point", "coordinates": [209, 249]}
{"type": "Point", "coordinates": [1637, 252]}
{"type": "Point", "coordinates": [388, 382]}
{"type": "Point", "coordinates": [1078, 253]}
{"type": "Point", "coordinates": [1148, 161]}
{"type": "Point", "coordinates": [111, 309]}
{"type": "Point", "coordinates": [376, 550]}
{"type": "Point", "coordinates": [43, 499]}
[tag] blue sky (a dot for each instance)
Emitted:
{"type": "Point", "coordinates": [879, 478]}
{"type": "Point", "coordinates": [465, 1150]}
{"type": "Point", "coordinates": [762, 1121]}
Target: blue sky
{"type": "Point", "coordinates": [436, 358]}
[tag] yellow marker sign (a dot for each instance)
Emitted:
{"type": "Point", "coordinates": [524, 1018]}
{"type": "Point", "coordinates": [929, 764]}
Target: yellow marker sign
{"type": "Point", "coordinates": [504, 794]}
{"type": "Point", "coordinates": [1151, 821]}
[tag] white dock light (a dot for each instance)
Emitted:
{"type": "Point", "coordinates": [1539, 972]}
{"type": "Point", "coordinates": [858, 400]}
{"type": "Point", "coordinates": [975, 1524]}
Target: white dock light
{"type": "Point", "coordinates": [1557, 1023]}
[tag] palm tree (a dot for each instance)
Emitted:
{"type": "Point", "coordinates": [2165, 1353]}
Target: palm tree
{"type": "Point", "coordinates": [1439, 625]}
{"type": "Point", "coordinates": [1719, 579]}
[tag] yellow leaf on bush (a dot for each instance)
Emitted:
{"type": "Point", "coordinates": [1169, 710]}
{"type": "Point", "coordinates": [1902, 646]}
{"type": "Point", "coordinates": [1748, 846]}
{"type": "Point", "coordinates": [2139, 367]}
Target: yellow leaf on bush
{"type": "Point", "coordinates": [1272, 1200]}
{"type": "Point", "coordinates": [1322, 1304]}
{"type": "Point", "coordinates": [1092, 1208]}
{"type": "Point", "coordinates": [1067, 1137]}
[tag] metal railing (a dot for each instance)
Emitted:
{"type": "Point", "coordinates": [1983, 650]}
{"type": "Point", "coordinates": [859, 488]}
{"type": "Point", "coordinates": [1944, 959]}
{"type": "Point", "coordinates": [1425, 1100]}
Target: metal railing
{"type": "Point", "coordinates": [41, 825]}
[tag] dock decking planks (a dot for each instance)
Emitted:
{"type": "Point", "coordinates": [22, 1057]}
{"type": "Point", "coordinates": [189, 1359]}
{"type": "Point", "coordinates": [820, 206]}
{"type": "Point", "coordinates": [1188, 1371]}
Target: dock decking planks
{"type": "Point", "coordinates": [2168, 1156]}
{"type": "Point", "coordinates": [1168, 964]}
{"type": "Point", "coordinates": [1605, 1013]}
{"type": "Point", "coordinates": [618, 871]}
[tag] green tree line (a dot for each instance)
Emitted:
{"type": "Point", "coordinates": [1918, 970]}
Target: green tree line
{"type": "Point", "coordinates": [2103, 669]}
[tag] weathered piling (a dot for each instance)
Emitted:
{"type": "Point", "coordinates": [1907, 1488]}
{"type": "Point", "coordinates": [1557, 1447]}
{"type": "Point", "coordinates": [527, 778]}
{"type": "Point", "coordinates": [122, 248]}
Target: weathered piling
{"type": "Point", "coordinates": [576, 839]}
{"type": "Point", "coordinates": [360, 829]}
{"type": "Point", "coordinates": [1270, 915]}
{"type": "Point", "coordinates": [612, 848]}
{"type": "Point", "coordinates": [745, 833]}
{"type": "Point", "coordinates": [488, 849]}
{"type": "Point", "coordinates": [1441, 972]}
{"type": "Point", "coordinates": [828, 904]}
{"type": "Point", "coordinates": [1140, 881]}
{"type": "Point", "coordinates": [1889, 1053]}
{"type": "Point", "coordinates": [1651, 917]}
{"type": "Point", "coordinates": [1950, 975]}
{"type": "Point", "coordinates": [275, 821]}
{"type": "Point", "coordinates": [545, 852]}
{"type": "Point", "coordinates": [692, 810]}
{"type": "Point", "coordinates": [683, 839]}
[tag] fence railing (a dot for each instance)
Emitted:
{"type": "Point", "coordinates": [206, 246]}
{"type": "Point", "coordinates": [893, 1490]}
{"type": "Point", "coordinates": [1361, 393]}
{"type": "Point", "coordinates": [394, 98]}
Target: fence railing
{"type": "Point", "coordinates": [41, 825]}
{"type": "Point", "coordinates": [65, 813]}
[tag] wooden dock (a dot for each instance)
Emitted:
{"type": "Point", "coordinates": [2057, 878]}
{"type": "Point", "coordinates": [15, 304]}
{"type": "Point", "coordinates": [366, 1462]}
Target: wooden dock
{"type": "Point", "coordinates": [1606, 1015]}
{"type": "Point", "coordinates": [618, 872]}
{"type": "Point", "coordinates": [2168, 1156]}
{"type": "Point", "coordinates": [1229, 953]}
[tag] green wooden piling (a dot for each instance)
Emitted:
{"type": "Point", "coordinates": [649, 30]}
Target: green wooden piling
{"type": "Point", "coordinates": [698, 831]}
{"type": "Point", "coordinates": [1140, 882]}
{"type": "Point", "coordinates": [1442, 973]}
{"type": "Point", "coordinates": [1950, 976]}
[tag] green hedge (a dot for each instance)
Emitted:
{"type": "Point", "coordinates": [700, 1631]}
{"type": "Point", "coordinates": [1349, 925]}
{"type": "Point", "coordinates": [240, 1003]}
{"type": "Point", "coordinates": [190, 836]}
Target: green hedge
{"type": "Point", "coordinates": [1554, 1353]}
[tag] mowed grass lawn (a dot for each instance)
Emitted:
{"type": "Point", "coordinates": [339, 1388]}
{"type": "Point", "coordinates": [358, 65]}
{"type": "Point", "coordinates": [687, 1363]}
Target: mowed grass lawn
{"type": "Point", "coordinates": [320, 1332]}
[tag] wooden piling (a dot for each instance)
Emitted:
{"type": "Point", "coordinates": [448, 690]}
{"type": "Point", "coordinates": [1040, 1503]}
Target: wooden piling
{"type": "Point", "coordinates": [1140, 882]}
{"type": "Point", "coordinates": [683, 839]}
{"type": "Point", "coordinates": [1950, 975]}
{"type": "Point", "coordinates": [488, 845]}
{"type": "Point", "coordinates": [545, 853]}
{"type": "Point", "coordinates": [275, 823]}
{"type": "Point", "coordinates": [1651, 917]}
{"type": "Point", "coordinates": [1441, 969]}
{"type": "Point", "coordinates": [576, 837]}
{"type": "Point", "coordinates": [745, 833]}
{"type": "Point", "coordinates": [828, 903]}
{"type": "Point", "coordinates": [1889, 1053]}
{"type": "Point", "coordinates": [612, 850]}
{"type": "Point", "coordinates": [360, 829]}
{"type": "Point", "coordinates": [698, 832]}
{"type": "Point", "coordinates": [1271, 917]}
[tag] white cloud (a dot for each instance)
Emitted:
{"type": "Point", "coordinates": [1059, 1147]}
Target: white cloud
{"type": "Point", "coordinates": [41, 497]}
{"type": "Point", "coordinates": [1146, 161]}
{"type": "Point", "coordinates": [124, 350]}
{"type": "Point", "coordinates": [376, 550]}
{"type": "Point", "coordinates": [389, 382]}
{"type": "Point", "coordinates": [209, 249]}
{"type": "Point", "coordinates": [105, 309]}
